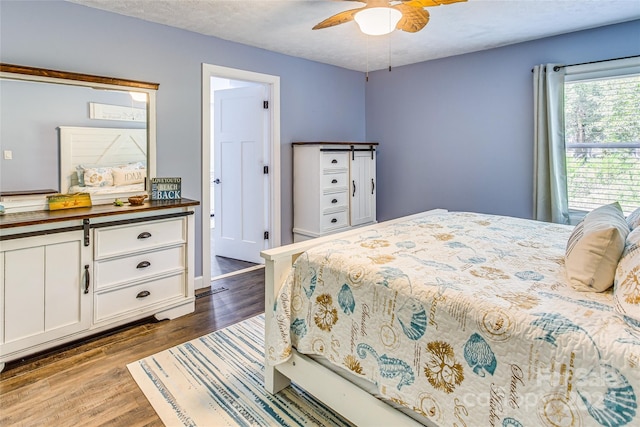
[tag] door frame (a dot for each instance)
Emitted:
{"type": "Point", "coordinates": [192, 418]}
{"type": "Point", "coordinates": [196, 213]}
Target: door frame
{"type": "Point", "coordinates": [273, 198]}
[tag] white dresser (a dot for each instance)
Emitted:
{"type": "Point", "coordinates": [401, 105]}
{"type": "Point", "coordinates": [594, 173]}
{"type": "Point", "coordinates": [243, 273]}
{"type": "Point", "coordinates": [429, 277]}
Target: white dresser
{"type": "Point", "coordinates": [68, 274]}
{"type": "Point", "coordinates": [334, 187]}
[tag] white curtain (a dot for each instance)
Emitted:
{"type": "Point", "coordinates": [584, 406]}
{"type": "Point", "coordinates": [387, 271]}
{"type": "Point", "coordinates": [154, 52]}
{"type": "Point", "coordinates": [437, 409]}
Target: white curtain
{"type": "Point", "coordinates": [550, 201]}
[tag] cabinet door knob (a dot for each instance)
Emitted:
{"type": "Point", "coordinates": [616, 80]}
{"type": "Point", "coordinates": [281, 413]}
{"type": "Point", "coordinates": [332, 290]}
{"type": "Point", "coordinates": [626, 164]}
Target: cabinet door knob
{"type": "Point", "coordinates": [334, 201]}
{"type": "Point", "coordinates": [334, 181]}
{"type": "Point", "coordinates": [144, 235]}
{"type": "Point", "coordinates": [87, 279]}
{"type": "Point", "coordinates": [143, 264]}
{"type": "Point", "coordinates": [143, 294]}
{"type": "Point", "coordinates": [333, 220]}
{"type": "Point", "coordinates": [334, 161]}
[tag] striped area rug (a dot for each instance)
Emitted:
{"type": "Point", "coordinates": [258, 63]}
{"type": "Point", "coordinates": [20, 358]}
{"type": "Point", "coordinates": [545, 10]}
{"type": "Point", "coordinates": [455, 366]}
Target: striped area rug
{"type": "Point", "coordinates": [217, 380]}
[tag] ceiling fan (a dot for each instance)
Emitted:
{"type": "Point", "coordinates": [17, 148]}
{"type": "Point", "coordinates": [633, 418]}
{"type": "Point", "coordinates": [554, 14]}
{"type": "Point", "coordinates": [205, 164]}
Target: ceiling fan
{"type": "Point", "coordinates": [379, 17]}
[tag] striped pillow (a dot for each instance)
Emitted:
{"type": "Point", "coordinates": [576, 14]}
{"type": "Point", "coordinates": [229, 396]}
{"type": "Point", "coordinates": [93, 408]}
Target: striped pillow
{"type": "Point", "coordinates": [634, 219]}
{"type": "Point", "coordinates": [594, 248]}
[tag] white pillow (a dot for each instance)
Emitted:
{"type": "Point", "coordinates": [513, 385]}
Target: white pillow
{"type": "Point", "coordinates": [626, 286]}
{"type": "Point", "coordinates": [98, 177]}
{"type": "Point", "coordinates": [594, 248]}
{"type": "Point", "coordinates": [634, 219]}
{"type": "Point", "coordinates": [128, 176]}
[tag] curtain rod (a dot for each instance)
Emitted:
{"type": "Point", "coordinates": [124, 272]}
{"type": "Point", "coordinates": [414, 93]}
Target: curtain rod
{"type": "Point", "coordinates": [558, 67]}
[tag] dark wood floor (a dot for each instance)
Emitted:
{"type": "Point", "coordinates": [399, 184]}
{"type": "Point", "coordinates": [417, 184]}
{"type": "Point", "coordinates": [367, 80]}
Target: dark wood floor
{"type": "Point", "coordinates": [88, 384]}
{"type": "Point", "coordinates": [221, 265]}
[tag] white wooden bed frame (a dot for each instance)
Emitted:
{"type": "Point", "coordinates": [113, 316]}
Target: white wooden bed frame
{"type": "Point", "coordinates": [347, 399]}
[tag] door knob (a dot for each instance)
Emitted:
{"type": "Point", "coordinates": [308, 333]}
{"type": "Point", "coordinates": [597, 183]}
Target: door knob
{"type": "Point", "coordinates": [216, 181]}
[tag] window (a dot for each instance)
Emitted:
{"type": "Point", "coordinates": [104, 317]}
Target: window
{"type": "Point", "coordinates": [602, 135]}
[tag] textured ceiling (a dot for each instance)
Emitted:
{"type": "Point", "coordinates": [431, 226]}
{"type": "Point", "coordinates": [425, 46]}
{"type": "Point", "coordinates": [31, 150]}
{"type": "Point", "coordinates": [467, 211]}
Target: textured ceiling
{"type": "Point", "coordinates": [285, 26]}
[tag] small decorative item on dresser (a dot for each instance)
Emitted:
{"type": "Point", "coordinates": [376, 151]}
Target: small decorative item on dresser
{"type": "Point", "coordinates": [68, 201]}
{"type": "Point", "coordinates": [166, 188]}
{"type": "Point", "coordinates": [137, 200]}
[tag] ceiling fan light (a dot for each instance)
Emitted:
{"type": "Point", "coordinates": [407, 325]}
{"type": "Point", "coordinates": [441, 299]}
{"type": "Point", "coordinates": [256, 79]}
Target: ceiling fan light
{"type": "Point", "coordinates": [377, 21]}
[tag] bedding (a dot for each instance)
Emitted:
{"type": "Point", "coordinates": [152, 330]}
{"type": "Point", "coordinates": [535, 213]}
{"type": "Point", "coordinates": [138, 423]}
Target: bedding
{"type": "Point", "coordinates": [465, 319]}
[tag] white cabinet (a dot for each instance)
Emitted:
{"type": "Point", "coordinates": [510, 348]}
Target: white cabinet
{"type": "Point", "coordinates": [334, 187]}
{"type": "Point", "coordinates": [44, 289]}
{"type": "Point", "coordinates": [139, 267]}
{"type": "Point", "coordinates": [64, 276]}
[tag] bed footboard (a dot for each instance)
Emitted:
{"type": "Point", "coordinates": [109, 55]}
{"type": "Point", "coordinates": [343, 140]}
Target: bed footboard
{"type": "Point", "coordinates": [335, 391]}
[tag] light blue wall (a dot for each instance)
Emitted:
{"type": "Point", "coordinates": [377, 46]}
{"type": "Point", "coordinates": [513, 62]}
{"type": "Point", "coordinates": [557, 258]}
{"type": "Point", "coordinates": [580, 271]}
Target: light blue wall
{"type": "Point", "coordinates": [318, 102]}
{"type": "Point", "coordinates": [457, 133]}
{"type": "Point", "coordinates": [454, 133]}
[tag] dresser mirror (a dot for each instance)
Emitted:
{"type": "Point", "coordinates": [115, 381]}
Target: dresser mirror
{"type": "Point", "coordinates": [69, 132]}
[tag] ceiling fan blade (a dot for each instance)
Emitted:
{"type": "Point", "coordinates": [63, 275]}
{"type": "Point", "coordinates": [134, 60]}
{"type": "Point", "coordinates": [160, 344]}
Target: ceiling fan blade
{"type": "Point", "coordinates": [337, 19]}
{"type": "Point", "coordinates": [413, 18]}
{"type": "Point", "coordinates": [429, 3]}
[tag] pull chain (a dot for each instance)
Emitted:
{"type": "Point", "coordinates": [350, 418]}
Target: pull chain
{"type": "Point", "coordinates": [389, 50]}
{"type": "Point", "coordinates": [367, 73]}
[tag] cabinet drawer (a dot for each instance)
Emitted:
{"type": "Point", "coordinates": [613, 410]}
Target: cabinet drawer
{"type": "Point", "coordinates": [138, 266]}
{"type": "Point", "coordinates": [332, 181]}
{"type": "Point", "coordinates": [334, 201]}
{"type": "Point", "coordinates": [334, 220]}
{"type": "Point", "coordinates": [120, 301]}
{"type": "Point", "coordinates": [334, 160]}
{"type": "Point", "coordinates": [119, 240]}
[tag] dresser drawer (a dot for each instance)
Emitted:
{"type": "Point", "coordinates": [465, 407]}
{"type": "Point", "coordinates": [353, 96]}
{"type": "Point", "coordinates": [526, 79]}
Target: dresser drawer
{"type": "Point", "coordinates": [333, 220]}
{"type": "Point", "coordinates": [335, 160]}
{"type": "Point", "coordinates": [120, 240]}
{"type": "Point", "coordinates": [334, 181]}
{"type": "Point", "coordinates": [334, 201]}
{"type": "Point", "coordinates": [134, 267]}
{"type": "Point", "coordinates": [117, 302]}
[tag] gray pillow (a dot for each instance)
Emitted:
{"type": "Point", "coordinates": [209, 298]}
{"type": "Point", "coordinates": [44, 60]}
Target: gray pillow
{"type": "Point", "coordinates": [634, 219]}
{"type": "Point", "coordinates": [594, 248]}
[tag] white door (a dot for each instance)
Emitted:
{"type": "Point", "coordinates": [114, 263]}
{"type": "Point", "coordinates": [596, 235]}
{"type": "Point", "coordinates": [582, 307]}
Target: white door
{"type": "Point", "coordinates": [239, 133]}
{"type": "Point", "coordinates": [363, 187]}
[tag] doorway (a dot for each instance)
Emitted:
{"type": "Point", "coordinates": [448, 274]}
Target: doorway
{"type": "Point", "coordinates": [240, 164]}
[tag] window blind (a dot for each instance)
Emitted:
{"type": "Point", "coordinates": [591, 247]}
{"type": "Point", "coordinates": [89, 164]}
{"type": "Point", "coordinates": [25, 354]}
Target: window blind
{"type": "Point", "coordinates": [602, 140]}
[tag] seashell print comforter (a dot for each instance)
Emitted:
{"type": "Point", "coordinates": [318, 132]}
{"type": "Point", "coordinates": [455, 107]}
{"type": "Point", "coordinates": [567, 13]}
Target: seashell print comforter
{"type": "Point", "coordinates": [465, 319]}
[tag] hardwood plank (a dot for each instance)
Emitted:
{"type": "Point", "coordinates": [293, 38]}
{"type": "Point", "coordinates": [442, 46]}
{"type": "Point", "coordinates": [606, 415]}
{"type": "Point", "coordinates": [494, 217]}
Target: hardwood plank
{"type": "Point", "coordinates": [87, 383]}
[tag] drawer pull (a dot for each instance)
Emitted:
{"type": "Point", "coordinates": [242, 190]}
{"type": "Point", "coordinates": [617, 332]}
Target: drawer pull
{"type": "Point", "coordinates": [144, 235]}
{"type": "Point", "coordinates": [334, 220]}
{"type": "Point", "coordinates": [334, 181]}
{"type": "Point", "coordinates": [87, 279]}
{"type": "Point", "coordinates": [334, 201]}
{"type": "Point", "coordinates": [334, 161]}
{"type": "Point", "coordinates": [143, 264]}
{"type": "Point", "coordinates": [143, 294]}
{"type": "Point", "coordinates": [354, 189]}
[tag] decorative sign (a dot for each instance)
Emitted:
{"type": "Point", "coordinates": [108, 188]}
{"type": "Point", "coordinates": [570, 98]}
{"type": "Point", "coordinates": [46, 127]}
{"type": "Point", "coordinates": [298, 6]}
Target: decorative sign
{"type": "Point", "coordinates": [68, 201]}
{"type": "Point", "coordinates": [166, 188]}
{"type": "Point", "coordinates": [117, 112]}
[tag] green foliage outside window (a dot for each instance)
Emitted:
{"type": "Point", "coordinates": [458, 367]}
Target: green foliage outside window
{"type": "Point", "coordinates": [602, 134]}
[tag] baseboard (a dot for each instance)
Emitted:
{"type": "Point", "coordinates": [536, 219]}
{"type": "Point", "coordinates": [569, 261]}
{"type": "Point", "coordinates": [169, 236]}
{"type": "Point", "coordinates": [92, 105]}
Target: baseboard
{"type": "Point", "coordinates": [198, 283]}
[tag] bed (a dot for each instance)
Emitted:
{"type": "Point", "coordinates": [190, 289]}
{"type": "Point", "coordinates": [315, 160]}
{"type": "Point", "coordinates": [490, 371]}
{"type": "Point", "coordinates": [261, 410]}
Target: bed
{"type": "Point", "coordinates": [105, 162]}
{"type": "Point", "coordinates": [448, 319]}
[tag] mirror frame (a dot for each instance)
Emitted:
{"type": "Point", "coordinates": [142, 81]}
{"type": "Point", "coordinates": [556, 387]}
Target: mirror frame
{"type": "Point", "coordinates": [21, 72]}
